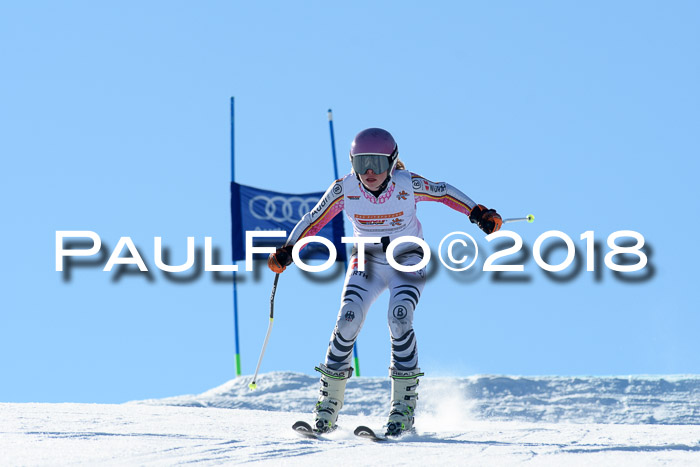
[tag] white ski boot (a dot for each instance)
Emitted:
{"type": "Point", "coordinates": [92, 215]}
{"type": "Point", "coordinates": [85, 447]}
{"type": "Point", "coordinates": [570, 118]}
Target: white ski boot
{"type": "Point", "coordinates": [403, 400]}
{"type": "Point", "coordinates": [331, 400]}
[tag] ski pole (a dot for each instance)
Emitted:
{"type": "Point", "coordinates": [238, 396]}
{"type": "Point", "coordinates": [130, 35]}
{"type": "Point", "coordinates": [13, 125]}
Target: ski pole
{"type": "Point", "coordinates": [529, 218]}
{"type": "Point", "coordinates": [252, 384]}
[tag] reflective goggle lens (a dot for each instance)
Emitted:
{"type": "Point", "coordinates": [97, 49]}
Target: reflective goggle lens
{"type": "Point", "coordinates": [378, 164]}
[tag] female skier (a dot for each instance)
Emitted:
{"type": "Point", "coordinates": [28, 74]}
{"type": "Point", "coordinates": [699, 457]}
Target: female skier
{"type": "Point", "coordinates": [379, 197]}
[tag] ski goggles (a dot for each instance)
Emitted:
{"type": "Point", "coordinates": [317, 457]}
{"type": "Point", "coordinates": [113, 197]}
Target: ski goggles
{"type": "Point", "coordinates": [361, 163]}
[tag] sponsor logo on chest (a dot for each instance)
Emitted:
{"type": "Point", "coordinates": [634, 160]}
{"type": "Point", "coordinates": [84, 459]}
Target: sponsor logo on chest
{"type": "Point", "coordinates": [379, 219]}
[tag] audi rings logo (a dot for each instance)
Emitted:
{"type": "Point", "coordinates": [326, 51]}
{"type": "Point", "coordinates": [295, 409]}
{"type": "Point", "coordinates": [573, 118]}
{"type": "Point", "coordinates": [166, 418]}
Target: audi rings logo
{"type": "Point", "coordinates": [280, 208]}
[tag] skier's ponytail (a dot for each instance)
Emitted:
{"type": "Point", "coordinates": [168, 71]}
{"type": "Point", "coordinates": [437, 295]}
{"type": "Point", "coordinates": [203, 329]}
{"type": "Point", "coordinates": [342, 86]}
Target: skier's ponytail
{"type": "Point", "coordinates": [399, 165]}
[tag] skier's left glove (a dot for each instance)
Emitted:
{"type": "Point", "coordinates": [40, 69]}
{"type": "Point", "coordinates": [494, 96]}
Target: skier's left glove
{"type": "Point", "coordinates": [280, 259]}
{"type": "Point", "coordinates": [488, 220]}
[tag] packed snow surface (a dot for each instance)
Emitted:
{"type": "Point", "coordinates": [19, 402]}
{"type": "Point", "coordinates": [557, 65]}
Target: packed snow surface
{"type": "Point", "coordinates": [480, 420]}
{"type": "Point", "coordinates": [657, 400]}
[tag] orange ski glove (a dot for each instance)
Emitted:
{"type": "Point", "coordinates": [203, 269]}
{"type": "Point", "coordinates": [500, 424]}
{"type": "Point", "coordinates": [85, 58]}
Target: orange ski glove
{"type": "Point", "coordinates": [488, 220]}
{"type": "Point", "coordinates": [280, 259]}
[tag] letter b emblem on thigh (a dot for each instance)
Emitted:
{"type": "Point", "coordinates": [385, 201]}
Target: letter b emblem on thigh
{"type": "Point", "coordinates": [400, 312]}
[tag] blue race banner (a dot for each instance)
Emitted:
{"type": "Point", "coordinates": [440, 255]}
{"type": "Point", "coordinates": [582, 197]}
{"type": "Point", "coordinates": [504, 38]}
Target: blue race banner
{"type": "Point", "coordinates": [256, 209]}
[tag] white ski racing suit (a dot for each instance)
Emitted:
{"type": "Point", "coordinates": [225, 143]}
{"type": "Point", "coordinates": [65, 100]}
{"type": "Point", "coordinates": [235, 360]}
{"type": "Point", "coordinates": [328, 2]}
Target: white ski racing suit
{"type": "Point", "coordinates": [390, 215]}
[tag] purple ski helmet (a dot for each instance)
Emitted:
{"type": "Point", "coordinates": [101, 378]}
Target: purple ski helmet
{"type": "Point", "coordinates": [374, 148]}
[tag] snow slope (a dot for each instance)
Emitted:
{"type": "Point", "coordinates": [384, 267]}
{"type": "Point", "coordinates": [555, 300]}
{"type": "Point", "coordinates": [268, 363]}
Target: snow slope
{"type": "Point", "coordinates": [482, 420]}
{"type": "Point", "coordinates": [655, 400]}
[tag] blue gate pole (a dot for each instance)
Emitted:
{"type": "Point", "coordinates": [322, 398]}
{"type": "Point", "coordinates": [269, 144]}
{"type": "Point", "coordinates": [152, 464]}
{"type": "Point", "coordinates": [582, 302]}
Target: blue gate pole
{"type": "Point", "coordinates": [235, 283]}
{"type": "Point", "coordinates": [335, 172]}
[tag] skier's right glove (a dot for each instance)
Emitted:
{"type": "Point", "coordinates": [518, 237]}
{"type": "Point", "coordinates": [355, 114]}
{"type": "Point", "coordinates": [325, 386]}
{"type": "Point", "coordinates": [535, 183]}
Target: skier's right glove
{"type": "Point", "coordinates": [280, 259]}
{"type": "Point", "coordinates": [488, 220]}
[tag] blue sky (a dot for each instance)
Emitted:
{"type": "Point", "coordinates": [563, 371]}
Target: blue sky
{"type": "Point", "coordinates": [114, 117]}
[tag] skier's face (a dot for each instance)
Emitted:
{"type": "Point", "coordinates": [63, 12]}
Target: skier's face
{"type": "Point", "coordinates": [371, 180]}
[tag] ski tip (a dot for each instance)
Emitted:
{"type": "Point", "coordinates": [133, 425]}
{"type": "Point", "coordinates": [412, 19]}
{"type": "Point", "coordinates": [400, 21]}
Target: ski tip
{"type": "Point", "coordinates": [363, 430]}
{"type": "Point", "coordinates": [305, 430]}
{"type": "Point", "coordinates": [368, 433]}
